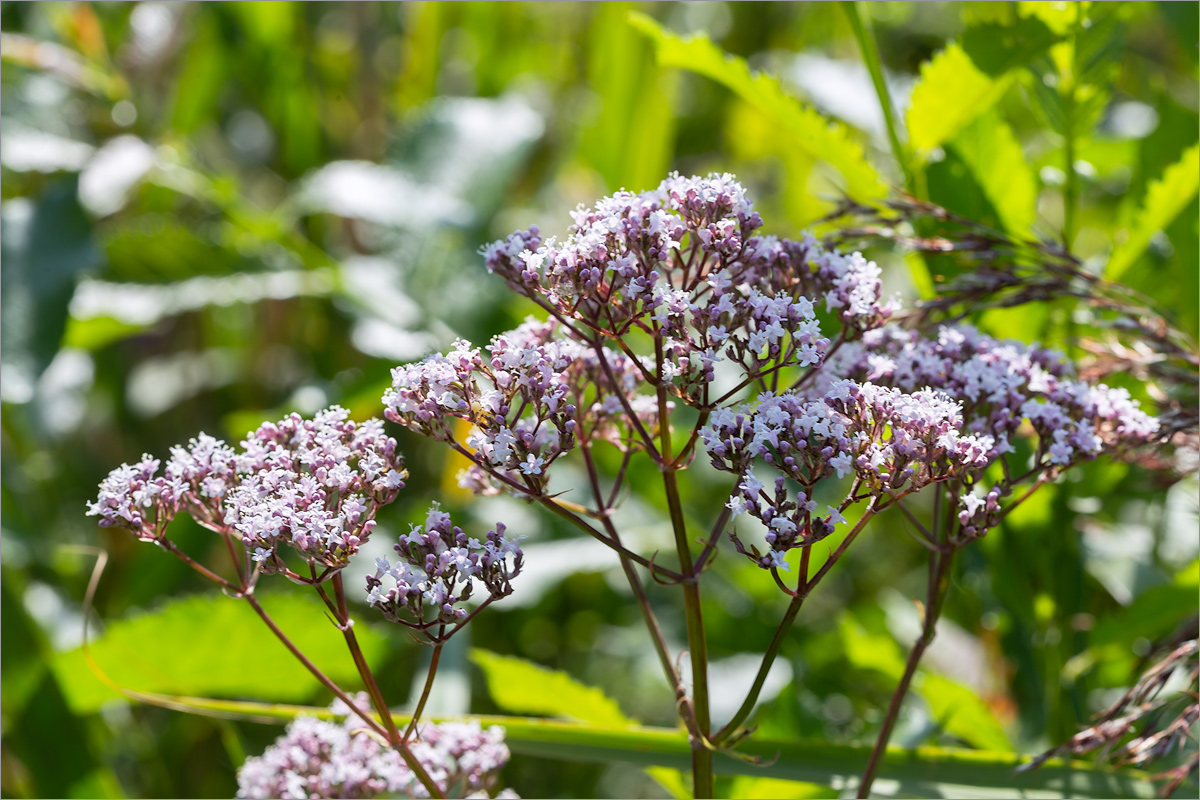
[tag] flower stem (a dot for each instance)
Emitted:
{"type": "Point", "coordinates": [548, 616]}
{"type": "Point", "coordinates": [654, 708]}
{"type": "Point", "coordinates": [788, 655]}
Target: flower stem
{"type": "Point", "coordinates": [939, 567]}
{"type": "Point", "coordinates": [360, 661]}
{"type": "Point", "coordinates": [433, 665]}
{"type": "Point", "coordinates": [805, 586]}
{"type": "Point", "coordinates": [702, 757]}
{"type": "Point", "coordinates": [635, 582]}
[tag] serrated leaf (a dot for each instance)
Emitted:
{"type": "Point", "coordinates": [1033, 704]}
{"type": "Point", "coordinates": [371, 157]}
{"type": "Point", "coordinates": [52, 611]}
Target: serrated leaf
{"type": "Point", "coordinates": [951, 92]}
{"type": "Point", "coordinates": [822, 138]}
{"type": "Point", "coordinates": [991, 151]}
{"type": "Point", "coordinates": [1165, 199]}
{"type": "Point", "coordinates": [216, 646]}
{"type": "Point", "coordinates": [522, 687]}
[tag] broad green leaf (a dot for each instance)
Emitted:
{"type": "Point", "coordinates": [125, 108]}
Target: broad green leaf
{"type": "Point", "coordinates": [828, 141]}
{"type": "Point", "coordinates": [212, 645]}
{"type": "Point", "coordinates": [523, 687]}
{"type": "Point", "coordinates": [1165, 199]}
{"type": "Point", "coordinates": [991, 151]}
{"type": "Point", "coordinates": [951, 92]}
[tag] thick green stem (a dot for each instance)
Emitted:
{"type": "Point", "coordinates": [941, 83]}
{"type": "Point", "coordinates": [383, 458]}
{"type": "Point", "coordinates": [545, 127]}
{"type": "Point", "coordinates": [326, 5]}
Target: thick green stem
{"type": "Point", "coordinates": [860, 23]}
{"type": "Point", "coordinates": [702, 756]}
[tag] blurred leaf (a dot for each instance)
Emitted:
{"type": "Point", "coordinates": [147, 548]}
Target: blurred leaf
{"type": "Point", "coordinates": [23, 649]}
{"type": "Point", "coordinates": [955, 707]}
{"type": "Point", "coordinates": [996, 48]}
{"type": "Point", "coordinates": [1164, 199]}
{"type": "Point", "coordinates": [630, 136]}
{"type": "Point", "coordinates": [46, 247]}
{"type": "Point", "coordinates": [828, 141]}
{"type": "Point", "coordinates": [202, 77]}
{"type": "Point", "coordinates": [746, 787]}
{"type": "Point", "coordinates": [1060, 17]}
{"type": "Point", "coordinates": [951, 92]}
{"type": "Point", "coordinates": [923, 772]}
{"type": "Point", "coordinates": [524, 687]}
{"type": "Point", "coordinates": [990, 149]}
{"type": "Point", "coordinates": [198, 645]}
{"type": "Point", "coordinates": [920, 772]}
{"type": "Point", "coordinates": [672, 780]}
{"type": "Point", "coordinates": [960, 712]}
{"type": "Point", "coordinates": [952, 184]}
{"type": "Point", "coordinates": [1152, 614]}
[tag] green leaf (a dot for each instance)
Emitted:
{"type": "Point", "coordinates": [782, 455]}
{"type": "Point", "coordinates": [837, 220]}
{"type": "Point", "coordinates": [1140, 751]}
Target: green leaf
{"type": "Point", "coordinates": [955, 707]}
{"type": "Point", "coordinates": [47, 245]}
{"type": "Point", "coordinates": [523, 687]}
{"type": "Point", "coordinates": [822, 138]}
{"type": "Point", "coordinates": [672, 780]}
{"type": "Point", "coordinates": [199, 645]}
{"type": "Point", "coordinates": [922, 772]}
{"type": "Point", "coordinates": [997, 48]}
{"type": "Point", "coordinates": [991, 151]}
{"type": "Point", "coordinates": [1165, 199]}
{"type": "Point", "coordinates": [961, 713]}
{"type": "Point", "coordinates": [744, 786]}
{"type": "Point", "coordinates": [951, 92]}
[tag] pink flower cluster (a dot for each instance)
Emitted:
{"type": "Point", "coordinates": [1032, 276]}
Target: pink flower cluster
{"type": "Point", "coordinates": [523, 400]}
{"type": "Point", "coordinates": [1001, 384]}
{"type": "Point", "coordinates": [311, 485]}
{"type": "Point", "coordinates": [893, 442]}
{"type": "Point", "coordinates": [680, 262]}
{"type": "Point", "coordinates": [321, 759]}
{"type": "Point", "coordinates": [437, 571]}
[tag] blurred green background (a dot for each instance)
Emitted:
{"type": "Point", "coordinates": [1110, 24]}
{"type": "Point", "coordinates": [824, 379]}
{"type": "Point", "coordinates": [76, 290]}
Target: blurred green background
{"type": "Point", "coordinates": [218, 213]}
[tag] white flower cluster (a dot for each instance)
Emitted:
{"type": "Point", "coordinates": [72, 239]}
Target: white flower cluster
{"type": "Point", "coordinates": [311, 485]}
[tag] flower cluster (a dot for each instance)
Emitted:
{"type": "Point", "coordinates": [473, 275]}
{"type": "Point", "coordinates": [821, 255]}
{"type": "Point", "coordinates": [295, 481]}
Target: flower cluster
{"type": "Point", "coordinates": [1001, 384]}
{"type": "Point", "coordinates": [893, 442]}
{"type": "Point", "coordinates": [681, 262]}
{"type": "Point", "coordinates": [312, 485]}
{"type": "Point", "coordinates": [320, 759]}
{"type": "Point", "coordinates": [437, 571]}
{"type": "Point", "coordinates": [523, 400]}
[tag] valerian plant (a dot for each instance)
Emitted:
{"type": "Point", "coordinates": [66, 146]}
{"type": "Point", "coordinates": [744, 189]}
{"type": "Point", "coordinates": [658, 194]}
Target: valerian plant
{"type": "Point", "coordinates": [672, 330]}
